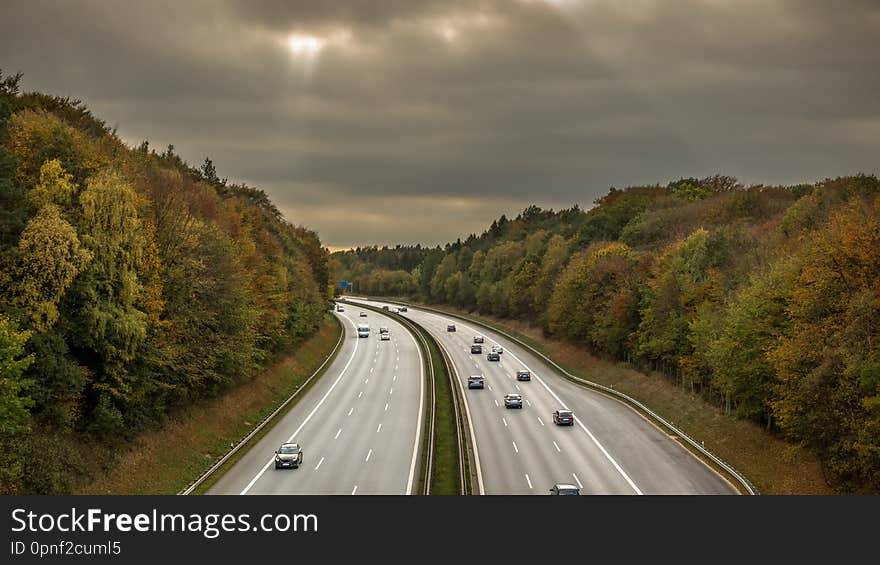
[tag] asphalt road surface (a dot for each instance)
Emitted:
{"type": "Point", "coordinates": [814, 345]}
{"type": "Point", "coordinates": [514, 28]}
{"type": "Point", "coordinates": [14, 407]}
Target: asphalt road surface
{"type": "Point", "coordinates": [359, 425]}
{"type": "Point", "coordinates": [611, 449]}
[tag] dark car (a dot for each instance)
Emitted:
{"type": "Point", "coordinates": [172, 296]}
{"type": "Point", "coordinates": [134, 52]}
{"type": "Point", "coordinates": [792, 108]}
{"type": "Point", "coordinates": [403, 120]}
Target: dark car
{"type": "Point", "coordinates": [562, 489]}
{"type": "Point", "coordinates": [493, 356]}
{"type": "Point", "coordinates": [288, 455]}
{"type": "Point", "coordinates": [363, 314]}
{"type": "Point", "coordinates": [563, 418]}
{"type": "Point", "coordinates": [476, 348]}
{"type": "Point", "coordinates": [450, 327]}
{"type": "Point", "coordinates": [478, 339]}
{"type": "Point", "coordinates": [476, 381]}
{"type": "Point", "coordinates": [403, 309]}
{"type": "Point", "coordinates": [512, 400]}
{"type": "Point", "coordinates": [523, 375]}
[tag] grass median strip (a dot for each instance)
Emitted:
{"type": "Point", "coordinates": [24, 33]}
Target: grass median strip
{"type": "Point", "coordinates": [166, 460]}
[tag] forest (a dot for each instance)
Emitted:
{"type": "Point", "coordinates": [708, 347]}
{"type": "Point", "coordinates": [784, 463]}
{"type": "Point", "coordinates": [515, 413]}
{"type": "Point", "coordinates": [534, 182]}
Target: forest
{"type": "Point", "coordinates": [131, 284]}
{"type": "Point", "coordinates": [764, 301]}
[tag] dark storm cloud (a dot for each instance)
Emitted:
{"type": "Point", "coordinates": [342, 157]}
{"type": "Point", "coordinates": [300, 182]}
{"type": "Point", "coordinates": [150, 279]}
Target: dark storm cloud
{"type": "Point", "coordinates": [423, 120]}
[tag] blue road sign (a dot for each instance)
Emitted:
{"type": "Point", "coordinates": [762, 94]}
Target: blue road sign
{"type": "Point", "coordinates": [343, 284]}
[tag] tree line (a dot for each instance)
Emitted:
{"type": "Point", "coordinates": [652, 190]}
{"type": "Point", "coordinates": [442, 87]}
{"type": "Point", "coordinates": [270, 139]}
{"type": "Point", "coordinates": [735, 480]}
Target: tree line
{"type": "Point", "coordinates": [764, 300]}
{"type": "Point", "coordinates": [130, 284]}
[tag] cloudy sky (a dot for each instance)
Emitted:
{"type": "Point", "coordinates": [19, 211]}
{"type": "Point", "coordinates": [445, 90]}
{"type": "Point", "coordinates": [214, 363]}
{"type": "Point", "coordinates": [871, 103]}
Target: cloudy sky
{"type": "Point", "coordinates": [421, 121]}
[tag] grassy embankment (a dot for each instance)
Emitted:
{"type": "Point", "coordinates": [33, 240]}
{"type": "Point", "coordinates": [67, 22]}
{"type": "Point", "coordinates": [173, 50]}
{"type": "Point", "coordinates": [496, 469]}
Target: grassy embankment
{"type": "Point", "coordinates": [166, 460]}
{"type": "Point", "coordinates": [772, 464]}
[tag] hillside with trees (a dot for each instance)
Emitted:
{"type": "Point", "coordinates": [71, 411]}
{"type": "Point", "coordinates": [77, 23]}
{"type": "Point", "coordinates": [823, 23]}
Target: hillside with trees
{"type": "Point", "coordinates": [130, 284]}
{"type": "Point", "coordinates": [762, 300]}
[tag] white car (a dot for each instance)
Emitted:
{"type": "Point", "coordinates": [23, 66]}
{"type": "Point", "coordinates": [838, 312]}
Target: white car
{"type": "Point", "coordinates": [384, 336]}
{"type": "Point", "coordinates": [497, 349]}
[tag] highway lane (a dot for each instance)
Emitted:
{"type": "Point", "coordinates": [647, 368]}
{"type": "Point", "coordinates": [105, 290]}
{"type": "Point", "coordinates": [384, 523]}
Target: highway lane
{"type": "Point", "coordinates": [610, 450]}
{"type": "Point", "coordinates": [359, 425]}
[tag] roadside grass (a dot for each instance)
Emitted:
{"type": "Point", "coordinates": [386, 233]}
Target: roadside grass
{"type": "Point", "coordinates": [445, 479]}
{"type": "Point", "coordinates": [166, 460]}
{"type": "Point", "coordinates": [772, 464]}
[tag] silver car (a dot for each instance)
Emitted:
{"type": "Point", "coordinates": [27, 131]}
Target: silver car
{"type": "Point", "coordinates": [288, 455]}
{"type": "Point", "coordinates": [561, 489]}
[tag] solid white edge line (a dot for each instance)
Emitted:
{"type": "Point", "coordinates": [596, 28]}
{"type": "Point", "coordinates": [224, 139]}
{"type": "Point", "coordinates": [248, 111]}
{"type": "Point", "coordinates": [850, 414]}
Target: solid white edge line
{"type": "Point", "coordinates": [309, 417]}
{"type": "Point", "coordinates": [578, 420]}
{"type": "Point", "coordinates": [415, 455]}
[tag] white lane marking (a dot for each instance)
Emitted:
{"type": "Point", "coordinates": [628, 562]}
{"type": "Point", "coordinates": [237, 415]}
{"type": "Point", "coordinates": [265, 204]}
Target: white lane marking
{"type": "Point", "coordinates": [350, 410]}
{"type": "Point", "coordinates": [371, 370]}
{"type": "Point", "coordinates": [319, 463]}
{"type": "Point", "coordinates": [309, 417]}
{"type": "Point", "coordinates": [490, 387]}
{"type": "Point", "coordinates": [390, 392]}
{"type": "Point", "coordinates": [395, 366]}
{"type": "Point", "coordinates": [379, 428]}
{"type": "Point", "coordinates": [370, 452]}
{"type": "Point", "coordinates": [582, 426]}
{"type": "Point", "coordinates": [366, 381]}
{"type": "Point", "coordinates": [556, 445]}
{"type": "Point", "coordinates": [339, 431]}
{"type": "Point", "coordinates": [540, 420]}
{"type": "Point", "coordinates": [528, 403]}
{"type": "Point", "coordinates": [496, 402]}
{"type": "Point", "coordinates": [360, 394]}
{"type": "Point", "coordinates": [517, 387]}
{"type": "Point", "coordinates": [514, 446]}
{"type": "Point", "coordinates": [394, 379]}
{"type": "Point", "coordinates": [354, 490]}
{"type": "Point", "coordinates": [386, 407]}
{"type": "Point", "coordinates": [577, 480]}
{"type": "Point", "coordinates": [415, 453]}
{"type": "Point", "coordinates": [528, 480]}
{"type": "Point", "coordinates": [505, 422]}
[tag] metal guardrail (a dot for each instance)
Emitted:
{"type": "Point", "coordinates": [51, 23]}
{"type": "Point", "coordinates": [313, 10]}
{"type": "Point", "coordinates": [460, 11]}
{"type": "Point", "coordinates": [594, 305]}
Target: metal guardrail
{"type": "Point", "coordinates": [727, 467]}
{"type": "Point", "coordinates": [415, 330]}
{"type": "Point", "coordinates": [466, 460]}
{"type": "Point", "coordinates": [247, 437]}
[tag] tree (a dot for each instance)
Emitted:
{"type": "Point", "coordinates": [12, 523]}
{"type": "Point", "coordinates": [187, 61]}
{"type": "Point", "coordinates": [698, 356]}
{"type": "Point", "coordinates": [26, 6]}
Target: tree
{"type": "Point", "coordinates": [14, 401]}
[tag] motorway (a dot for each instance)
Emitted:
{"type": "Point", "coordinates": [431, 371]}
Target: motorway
{"type": "Point", "coordinates": [611, 449]}
{"type": "Point", "coordinates": [359, 426]}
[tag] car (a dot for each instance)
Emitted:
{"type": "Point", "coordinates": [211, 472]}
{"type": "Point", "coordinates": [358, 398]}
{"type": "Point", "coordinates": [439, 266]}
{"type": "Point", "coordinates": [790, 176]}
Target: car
{"type": "Point", "coordinates": [384, 336]}
{"type": "Point", "coordinates": [385, 307]}
{"type": "Point", "coordinates": [363, 314]}
{"type": "Point", "coordinates": [497, 349]}
{"type": "Point", "coordinates": [563, 418]}
{"type": "Point", "coordinates": [492, 356]}
{"type": "Point", "coordinates": [288, 455]}
{"type": "Point", "coordinates": [450, 327]}
{"type": "Point", "coordinates": [476, 381]}
{"type": "Point", "coordinates": [523, 375]}
{"type": "Point", "coordinates": [476, 348]}
{"type": "Point", "coordinates": [403, 309]}
{"type": "Point", "coordinates": [340, 309]}
{"type": "Point", "coordinates": [565, 489]}
{"type": "Point", "coordinates": [478, 339]}
{"type": "Point", "coordinates": [512, 400]}
{"type": "Point", "coordinates": [363, 330]}
{"type": "Point", "coordinates": [383, 330]}
{"type": "Point", "coordinates": [395, 310]}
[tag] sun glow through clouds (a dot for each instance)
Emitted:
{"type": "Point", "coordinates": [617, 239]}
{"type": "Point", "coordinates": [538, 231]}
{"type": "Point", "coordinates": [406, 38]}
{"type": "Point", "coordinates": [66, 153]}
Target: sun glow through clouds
{"type": "Point", "coordinates": [304, 44]}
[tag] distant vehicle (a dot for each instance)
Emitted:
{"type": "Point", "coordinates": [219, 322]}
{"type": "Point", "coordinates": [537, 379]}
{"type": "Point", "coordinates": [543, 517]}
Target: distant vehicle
{"type": "Point", "coordinates": [339, 308]}
{"type": "Point", "coordinates": [476, 348]}
{"type": "Point", "coordinates": [497, 349]}
{"type": "Point", "coordinates": [403, 309]}
{"type": "Point", "coordinates": [288, 455]}
{"type": "Point", "coordinates": [512, 400]}
{"type": "Point", "coordinates": [385, 307]}
{"type": "Point", "coordinates": [523, 375]}
{"type": "Point", "coordinates": [478, 339]}
{"type": "Point", "coordinates": [395, 310]}
{"type": "Point", "coordinates": [363, 330]}
{"type": "Point", "coordinates": [383, 330]}
{"type": "Point", "coordinates": [476, 381]}
{"type": "Point", "coordinates": [493, 356]}
{"type": "Point", "coordinates": [385, 336]}
{"type": "Point", "coordinates": [450, 327]}
{"type": "Point", "coordinates": [563, 418]}
{"type": "Point", "coordinates": [363, 314]}
{"type": "Point", "coordinates": [562, 489]}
